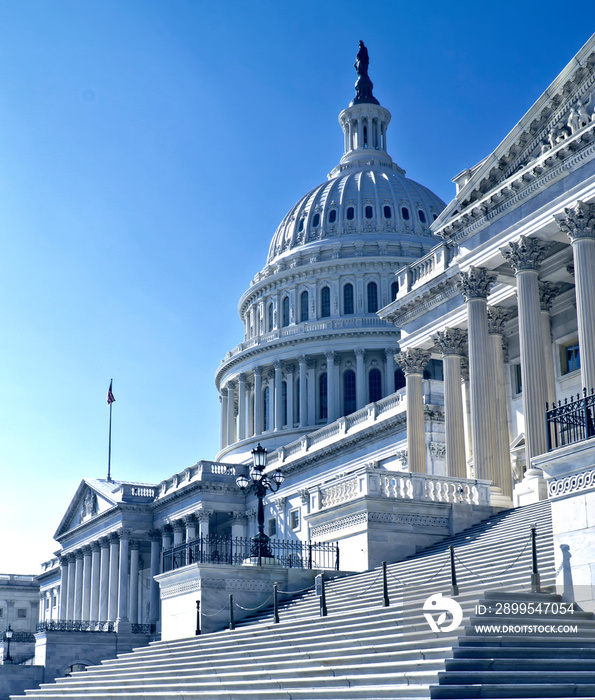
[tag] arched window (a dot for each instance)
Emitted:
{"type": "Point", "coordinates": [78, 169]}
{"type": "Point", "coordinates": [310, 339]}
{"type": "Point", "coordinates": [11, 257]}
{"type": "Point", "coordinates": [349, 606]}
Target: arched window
{"type": "Point", "coordinates": [374, 385]}
{"type": "Point", "coordinates": [372, 297]}
{"type": "Point", "coordinates": [270, 317]}
{"type": "Point", "coordinates": [348, 299]}
{"type": "Point", "coordinates": [301, 226]}
{"type": "Point", "coordinates": [388, 212]}
{"type": "Point", "coordinates": [316, 219]}
{"type": "Point", "coordinates": [325, 302]}
{"type": "Point", "coordinates": [350, 213]}
{"type": "Point", "coordinates": [303, 306]}
{"type": "Point", "coordinates": [266, 417]}
{"type": "Point", "coordinates": [394, 290]}
{"type": "Point", "coordinates": [422, 216]}
{"type": "Point", "coordinates": [365, 137]}
{"type": "Point", "coordinates": [400, 382]}
{"type": "Point", "coordinates": [322, 397]}
{"type": "Point", "coordinates": [285, 310]}
{"type": "Point", "coordinates": [332, 216]}
{"type": "Point", "coordinates": [369, 212]}
{"type": "Point", "coordinates": [405, 213]}
{"type": "Point", "coordinates": [349, 392]}
{"type": "Point", "coordinates": [284, 402]}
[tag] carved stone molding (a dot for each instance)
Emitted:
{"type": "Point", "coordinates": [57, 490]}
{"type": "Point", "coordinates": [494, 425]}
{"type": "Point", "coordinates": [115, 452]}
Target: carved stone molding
{"type": "Point", "coordinates": [475, 283]}
{"type": "Point", "coordinates": [578, 221]}
{"type": "Point", "coordinates": [413, 361]}
{"type": "Point", "coordinates": [497, 318]}
{"type": "Point", "coordinates": [402, 456]}
{"type": "Point", "coordinates": [525, 254]}
{"type": "Point", "coordinates": [451, 341]}
{"type": "Point", "coordinates": [438, 450]}
{"type": "Point", "coordinates": [547, 293]}
{"type": "Point", "coordinates": [155, 535]}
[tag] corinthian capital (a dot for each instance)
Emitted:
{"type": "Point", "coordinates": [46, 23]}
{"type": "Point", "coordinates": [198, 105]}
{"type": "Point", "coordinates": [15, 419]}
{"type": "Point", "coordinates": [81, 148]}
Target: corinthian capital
{"type": "Point", "coordinates": [413, 361]}
{"type": "Point", "coordinates": [578, 221]}
{"type": "Point", "coordinates": [547, 293]}
{"type": "Point", "coordinates": [451, 341]}
{"type": "Point", "coordinates": [497, 317]}
{"type": "Point", "coordinates": [475, 283]}
{"type": "Point", "coordinates": [526, 254]}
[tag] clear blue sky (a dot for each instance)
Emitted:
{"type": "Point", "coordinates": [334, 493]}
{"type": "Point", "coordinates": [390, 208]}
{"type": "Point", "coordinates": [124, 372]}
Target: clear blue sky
{"type": "Point", "coordinates": [148, 150]}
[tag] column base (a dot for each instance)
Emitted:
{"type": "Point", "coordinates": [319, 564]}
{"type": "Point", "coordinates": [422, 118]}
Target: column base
{"type": "Point", "coordinates": [531, 489]}
{"type": "Point", "coordinates": [498, 499]}
{"type": "Point", "coordinates": [123, 627]}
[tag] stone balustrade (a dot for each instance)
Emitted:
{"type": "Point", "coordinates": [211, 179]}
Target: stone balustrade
{"type": "Point", "coordinates": [431, 265]}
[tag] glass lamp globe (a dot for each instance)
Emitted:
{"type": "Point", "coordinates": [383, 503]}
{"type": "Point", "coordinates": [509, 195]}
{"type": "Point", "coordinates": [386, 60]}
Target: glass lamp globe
{"type": "Point", "coordinates": [242, 481]}
{"type": "Point", "coordinates": [278, 477]}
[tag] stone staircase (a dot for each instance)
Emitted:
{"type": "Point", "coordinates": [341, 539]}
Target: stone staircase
{"type": "Point", "coordinates": [363, 650]}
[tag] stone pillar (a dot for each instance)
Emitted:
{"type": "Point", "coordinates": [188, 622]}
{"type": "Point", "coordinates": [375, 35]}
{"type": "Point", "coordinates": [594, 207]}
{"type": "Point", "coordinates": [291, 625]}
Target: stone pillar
{"type": "Point", "coordinates": [166, 536]}
{"type": "Point", "coordinates": [497, 317]}
{"type": "Point", "coordinates": [239, 524]}
{"type": "Point", "coordinates": [360, 379]}
{"type": "Point", "coordinates": [95, 581]}
{"type": "Point", "coordinates": [223, 400]}
{"type": "Point", "coordinates": [86, 608]}
{"type": "Point", "coordinates": [579, 223]}
{"type": "Point", "coordinates": [78, 586]}
{"type": "Point", "coordinates": [123, 589]}
{"type": "Point", "coordinates": [475, 285]}
{"type": "Point", "coordinates": [525, 256]}
{"type": "Point", "coordinates": [547, 293]}
{"type": "Point", "coordinates": [71, 586]}
{"type": "Point", "coordinates": [452, 343]}
{"type": "Point", "coordinates": [231, 413]}
{"type": "Point", "coordinates": [242, 407]}
{"type": "Point", "coordinates": [303, 398]}
{"type": "Point", "coordinates": [114, 556]}
{"type": "Point", "coordinates": [155, 536]}
{"type": "Point", "coordinates": [104, 579]}
{"type": "Point", "coordinates": [331, 389]}
{"type": "Point", "coordinates": [289, 372]}
{"type": "Point", "coordinates": [389, 354]}
{"type": "Point", "coordinates": [311, 387]}
{"type": "Point", "coordinates": [203, 522]}
{"type": "Point", "coordinates": [278, 411]}
{"type": "Point", "coordinates": [467, 416]}
{"type": "Point", "coordinates": [62, 614]}
{"type": "Point", "coordinates": [134, 561]}
{"type": "Point", "coordinates": [250, 409]}
{"type": "Point", "coordinates": [257, 400]}
{"type": "Point", "coordinates": [190, 524]}
{"type": "Point", "coordinates": [413, 362]}
{"type": "Point", "coordinates": [179, 531]}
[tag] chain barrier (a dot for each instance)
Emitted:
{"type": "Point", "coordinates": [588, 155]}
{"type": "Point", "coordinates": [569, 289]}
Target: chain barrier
{"type": "Point", "coordinates": [303, 590]}
{"type": "Point", "coordinates": [213, 614]}
{"type": "Point", "coordinates": [258, 607]}
{"type": "Point", "coordinates": [372, 584]}
{"type": "Point", "coordinates": [500, 573]}
{"type": "Point", "coordinates": [398, 580]}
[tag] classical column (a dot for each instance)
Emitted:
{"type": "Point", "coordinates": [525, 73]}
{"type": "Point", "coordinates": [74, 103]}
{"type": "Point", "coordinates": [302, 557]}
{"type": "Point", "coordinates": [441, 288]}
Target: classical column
{"type": "Point", "coordinates": [231, 412]}
{"type": "Point", "coordinates": [303, 398]}
{"type": "Point", "coordinates": [204, 517]}
{"type": "Point", "coordinates": [452, 343]}
{"type": "Point", "coordinates": [104, 579]}
{"type": "Point", "coordinates": [331, 390]}
{"type": "Point", "coordinates": [239, 524]}
{"type": "Point", "coordinates": [78, 586]}
{"type": "Point", "coordinates": [223, 399]}
{"type": "Point", "coordinates": [289, 372]}
{"type": "Point", "coordinates": [278, 381]}
{"type": "Point", "coordinates": [475, 285]}
{"type": "Point", "coordinates": [86, 609]}
{"type": "Point", "coordinates": [547, 293]}
{"type": "Point", "coordinates": [242, 407]}
{"type": "Point", "coordinates": [311, 387]}
{"type": "Point", "coordinates": [94, 583]}
{"type": "Point", "coordinates": [123, 577]}
{"type": "Point", "coordinates": [389, 354]}
{"type": "Point", "coordinates": [190, 525]}
{"type": "Point", "coordinates": [497, 317]}
{"type": "Point", "coordinates": [257, 400]}
{"type": "Point", "coordinates": [525, 257]}
{"type": "Point", "coordinates": [467, 415]}
{"type": "Point", "coordinates": [114, 556]}
{"type": "Point", "coordinates": [360, 379]}
{"type": "Point", "coordinates": [250, 409]}
{"type": "Point", "coordinates": [413, 362]}
{"type": "Point", "coordinates": [155, 536]}
{"type": "Point", "coordinates": [134, 561]}
{"type": "Point", "coordinates": [166, 536]}
{"type": "Point", "coordinates": [179, 530]}
{"type": "Point", "coordinates": [62, 615]}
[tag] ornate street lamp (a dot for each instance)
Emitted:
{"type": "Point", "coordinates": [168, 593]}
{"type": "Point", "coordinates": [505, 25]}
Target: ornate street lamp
{"type": "Point", "coordinates": [260, 483]}
{"type": "Point", "coordinates": [8, 636]}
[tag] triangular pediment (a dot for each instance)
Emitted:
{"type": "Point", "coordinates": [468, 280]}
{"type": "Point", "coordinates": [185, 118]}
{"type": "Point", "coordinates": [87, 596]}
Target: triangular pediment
{"type": "Point", "coordinates": [87, 503]}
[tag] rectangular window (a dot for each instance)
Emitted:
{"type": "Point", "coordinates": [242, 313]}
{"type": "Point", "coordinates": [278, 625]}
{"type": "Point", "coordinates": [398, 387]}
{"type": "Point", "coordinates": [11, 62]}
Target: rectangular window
{"type": "Point", "coordinates": [272, 527]}
{"type": "Point", "coordinates": [517, 379]}
{"type": "Point", "coordinates": [570, 358]}
{"type": "Point", "coordinates": [1, 612]}
{"type": "Point", "coordinates": [294, 519]}
{"type": "Point", "coordinates": [22, 613]}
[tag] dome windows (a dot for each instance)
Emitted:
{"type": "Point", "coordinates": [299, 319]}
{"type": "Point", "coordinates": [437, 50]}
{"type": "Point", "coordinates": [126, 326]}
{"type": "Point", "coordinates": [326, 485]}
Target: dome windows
{"type": "Point", "coordinates": [394, 290]}
{"type": "Point", "coordinates": [368, 211]}
{"type": "Point", "coordinates": [405, 213]}
{"type": "Point", "coordinates": [325, 302]}
{"type": "Point", "coordinates": [349, 399]}
{"type": "Point", "coordinates": [422, 216]}
{"type": "Point", "coordinates": [303, 307]}
{"type": "Point", "coordinates": [332, 216]}
{"type": "Point", "coordinates": [372, 293]}
{"type": "Point", "coordinates": [388, 212]}
{"type": "Point", "coordinates": [350, 214]}
{"type": "Point", "coordinates": [374, 385]}
{"type": "Point", "coordinates": [348, 305]}
{"type": "Point", "coordinates": [322, 397]}
{"type": "Point", "coordinates": [285, 312]}
{"type": "Point", "coordinates": [270, 317]}
{"type": "Point", "coordinates": [316, 220]}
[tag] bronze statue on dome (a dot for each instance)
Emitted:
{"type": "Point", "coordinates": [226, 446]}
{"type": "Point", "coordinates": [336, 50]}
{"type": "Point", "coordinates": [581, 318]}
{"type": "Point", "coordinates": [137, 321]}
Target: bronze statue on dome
{"type": "Point", "coordinates": [363, 84]}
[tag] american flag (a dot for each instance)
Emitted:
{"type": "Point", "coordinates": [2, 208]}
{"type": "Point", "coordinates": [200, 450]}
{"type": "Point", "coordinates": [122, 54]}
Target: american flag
{"type": "Point", "coordinates": [110, 396]}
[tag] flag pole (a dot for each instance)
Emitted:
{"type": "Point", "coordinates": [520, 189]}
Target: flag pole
{"type": "Point", "coordinates": [110, 401]}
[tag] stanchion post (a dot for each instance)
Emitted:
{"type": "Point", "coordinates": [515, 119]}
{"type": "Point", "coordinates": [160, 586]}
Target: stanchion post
{"type": "Point", "coordinates": [232, 623]}
{"type": "Point", "coordinates": [321, 593]}
{"type": "Point", "coordinates": [535, 582]}
{"type": "Point", "coordinates": [386, 601]}
{"type": "Point", "coordinates": [276, 604]}
{"type": "Point", "coordinates": [454, 589]}
{"type": "Point", "coordinates": [197, 631]}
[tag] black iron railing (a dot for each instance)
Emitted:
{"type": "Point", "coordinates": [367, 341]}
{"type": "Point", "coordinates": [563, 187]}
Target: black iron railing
{"type": "Point", "coordinates": [571, 420]}
{"type": "Point", "coordinates": [142, 628]}
{"type": "Point", "coordinates": [75, 626]}
{"type": "Point", "coordinates": [236, 551]}
{"type": "Point", "coordinates": [22, 637]}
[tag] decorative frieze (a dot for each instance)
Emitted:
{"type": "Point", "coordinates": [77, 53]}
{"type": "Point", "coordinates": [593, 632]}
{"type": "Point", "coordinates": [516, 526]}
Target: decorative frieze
{"type": "Point", "coordinates": [525, 254]}
{"type": "Point", "coordinates": [475, 283]}
{"type": "Point", "coordinates": [571, 484]}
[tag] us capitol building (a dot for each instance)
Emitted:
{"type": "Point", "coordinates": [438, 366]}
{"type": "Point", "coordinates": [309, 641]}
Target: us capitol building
{"type": "Point", "coordinates": [397, 357]}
